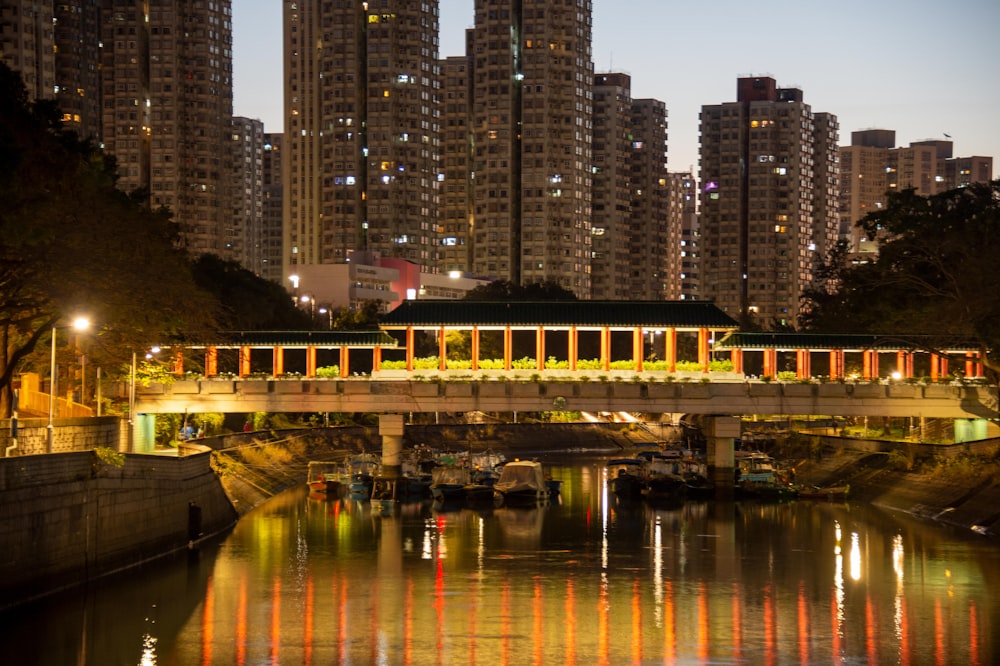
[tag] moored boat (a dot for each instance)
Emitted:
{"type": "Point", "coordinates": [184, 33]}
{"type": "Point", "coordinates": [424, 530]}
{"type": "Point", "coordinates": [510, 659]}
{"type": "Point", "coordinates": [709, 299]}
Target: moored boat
{"type": "Point", "coordinates": [363, 469]}
{"type": "Point", "coordinates": [830, 493]}
{"type": "Point", "coordinates": [625, 477]}
{"type": "Point", "coordinates": [521, 482]}
{"type": "Point", "coordinates": [328, 478]}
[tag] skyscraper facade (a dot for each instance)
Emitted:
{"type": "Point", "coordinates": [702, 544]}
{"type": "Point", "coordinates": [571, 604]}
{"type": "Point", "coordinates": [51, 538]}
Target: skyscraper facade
{"type": "Point", "coordinates": [245, 235]}
{"type": "Point", "coordinates": [762, 216]}
{"type": "Point", "coordinates": [456, 216]}
{"type": "Point", "coordinates": [656, 204]}
{"type": "Point", "coordinates": [531, 119]}
{"type": "Point", "coordinates": [168, 107]}
{"type": "Point", "coordinates": [361, 145]}
{"type": "Point", "coordinates": [611, 199]}
{"type": "Point", "coordinates": [272, 208]}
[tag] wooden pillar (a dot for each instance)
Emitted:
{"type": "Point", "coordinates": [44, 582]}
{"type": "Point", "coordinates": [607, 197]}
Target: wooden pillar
{"type": "Point", "coordinates": [572, 346]}
{"type": "Point", "coordinates": [935, 367]}
{"type": "Point", "coordinates": [904, 364]}
{"type": "Point", "coordinates": [442, 351]}
{"type": "Point", "coordinates": [836, 364]}
{"type": "Point", "coordinates": [870, 363]}
{"type": "Point", "coordinates": [475, 348]}
{"type": "Point", "coordinates": [376, 357]}
{"type": "Point", "coordinates": [736, 356]}
{"type": "Point", "coordinates": [606, 349]}
{"type": "Point", "coordinates": [244, 361]}
{"type": "Point", "coordinates": [508, 347]}
{"type": "Point", "coordinates": [345, 361]}
{"type": "Point", "coordinates": [409, 349]}
{"type": "Point", "coordinates": [771, 363]}
{"type": "Point", "coordinates": [178, 362]}
{"type": "Point", "coordinates": [637, 348]}
{"type": "Point", "coordinates": [973, 368]}
{"type": "Point", "coordinates": [944, 367]}
{"type": "Point", "coordinates": [310, 361]}
{"type": "Point", "coordinates": [670, 349]}
{"type": "Point", "coordinates": [703, 357]}
{"type": "Point", "coordinates": [278, 361]}
{"type": "Point", "coordinates": [211, 361]}
{"type": "Point", "coordinates": [540, 348]}
{"type": "Point", "coordinates": [803, 364]}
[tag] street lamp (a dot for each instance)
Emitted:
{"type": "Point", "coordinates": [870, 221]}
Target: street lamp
{"type": "Point", "coordinates": [79, 324]}
{"type": "Point", "coordinates": [329, 313]}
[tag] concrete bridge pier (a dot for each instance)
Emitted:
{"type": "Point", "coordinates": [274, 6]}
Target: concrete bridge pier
{"type": "Point", "coordinates": [720, 433]}
{"type": "Point", "coordinates": [390, 427]}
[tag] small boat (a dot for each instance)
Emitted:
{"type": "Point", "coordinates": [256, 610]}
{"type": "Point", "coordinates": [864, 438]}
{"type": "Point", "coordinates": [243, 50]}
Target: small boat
{"type": "Point", "coordinates": [327, 478]}
{"type": "Point", "coordinates": [448, 482]}
{"type": "Point", "coordinates": [831, 493]}
{"type": "Point", "coordinates": [625, 477]}
{"type": "Point", "coordinates": [661, 481]}
{"type": "Point", "coordinates": [363, 469]}
{"type": "Point", "coordinates": [521, 483]}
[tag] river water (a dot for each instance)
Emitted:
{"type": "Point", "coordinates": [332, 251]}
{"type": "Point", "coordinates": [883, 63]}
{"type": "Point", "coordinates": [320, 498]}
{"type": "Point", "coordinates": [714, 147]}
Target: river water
{"type": "Point", "coordinates": [584, 580]}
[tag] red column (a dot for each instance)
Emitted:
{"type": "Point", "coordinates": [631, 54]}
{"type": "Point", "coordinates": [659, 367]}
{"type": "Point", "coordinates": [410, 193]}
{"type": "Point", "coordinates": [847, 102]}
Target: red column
{"type": "Point", "coordinates": [475, 348]}
{"type": "Point", "coordinates": [935, 367]}
{"type": "Point", "coordinates": [345, 362]}
{"type": "Point", "coordinates": [409, 349]}
{"type": "Point", "coordinates": [244, 361]}
{"type": "Point", "coordinates": [179, 362]}
{"type": "Point", "coordinates": [703, 358]}
{"type": "Point", "coordinates": [736, 356]}
{"type": "Point", "coordinates": [278, 361]}
{"type": "Point", "coordinates": [972, 367]}
{"type": "Point", "coordinates": [211, 361]}
{"type": "Point", "coordinates": [606, 348]}
{"type": "Point", "coordinates": [540, 348]}
{"type": "Point", "coordinates": [803, 364]}
{"type": "Point", "coordinates": [670, 349]}
{"type": "Point", "coordinates": [508, 347]}
{"type": "Point", "coordinates": [376, 358]}
{"type": "Point", "coordinates": [770, 363]}
{"type": "Point", "coordinates": [637, 348]}
{"type": "Point", "coordinates": [904, 364]}
{"type": "Point", "coordinates": [572, 346]}
{"type": "Point", "coordinates": [311, 361]}
{"type": "Point", "coordinates": [442, 351]}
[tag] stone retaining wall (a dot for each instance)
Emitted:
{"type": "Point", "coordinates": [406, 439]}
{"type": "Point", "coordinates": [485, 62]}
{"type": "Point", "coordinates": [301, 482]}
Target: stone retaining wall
{"type": "Point", "coordinates": [68, 517]}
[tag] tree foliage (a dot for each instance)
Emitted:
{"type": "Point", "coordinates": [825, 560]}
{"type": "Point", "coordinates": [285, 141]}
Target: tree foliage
{"type": "Point", "coordinates": [505, 290]}
{"type": "Point", "coordinates": [71, 243]}
{"type": "Point", "coordinates": [935, 273]}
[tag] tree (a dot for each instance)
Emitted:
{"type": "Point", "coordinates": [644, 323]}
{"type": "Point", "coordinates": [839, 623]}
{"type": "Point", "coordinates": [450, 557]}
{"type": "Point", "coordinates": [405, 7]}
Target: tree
{"type": "Point", "coordinates": [935, 274]}
{"type": "Point", "coordinates": [72, 243]}
{"type": "Point", "coordinates": [505, 290]}
{"type": "Point", "coordinates": [248, 302]}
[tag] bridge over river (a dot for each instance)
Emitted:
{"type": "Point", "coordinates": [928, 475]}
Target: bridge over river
{"type": "Point", "coordinates": [566, 393]}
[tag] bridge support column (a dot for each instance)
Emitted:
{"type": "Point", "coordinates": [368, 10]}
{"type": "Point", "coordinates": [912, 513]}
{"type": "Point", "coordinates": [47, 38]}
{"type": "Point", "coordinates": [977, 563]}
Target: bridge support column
{"type": "Point", "coordinates": [390, 427]}
{"type": "Point", "coordinates": [720, 431]}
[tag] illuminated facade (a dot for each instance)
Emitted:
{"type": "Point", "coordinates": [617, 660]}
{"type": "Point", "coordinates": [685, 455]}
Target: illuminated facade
{"type": "Point", "coordinates": [768, 175]}
{"type": "Point", "coordinates": [245, 236]}
{"type": "Point", "coordinates": [271, 236]}
{"type": "Point", "coordinates": [361, 145]}
{"type": "Point", "coordinates": [457, 220]}
{"type": "Point", "coordinates": [531, 113]}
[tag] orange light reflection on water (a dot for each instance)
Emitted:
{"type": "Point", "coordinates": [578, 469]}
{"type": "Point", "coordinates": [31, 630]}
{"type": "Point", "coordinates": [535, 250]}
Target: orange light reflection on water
{"type": "Point", "coordinates": [636, 622]}
{"type": "Point", "coordinates": [275, 620]}
{"type": "Point", "coordinates": [206, 624]}
{"type": "Point", "coordinates": [704, 641]}
{"type": "Point", "coordinates": [307, 622]}
{"type": "Point", "coordinates": [538, 620]}
{"type": "Point", "coordinates": [569, 608]}
{"type": "Point", "coordinates": [669, 633]}
{"type": "Point", "coordinates": [241, 622]}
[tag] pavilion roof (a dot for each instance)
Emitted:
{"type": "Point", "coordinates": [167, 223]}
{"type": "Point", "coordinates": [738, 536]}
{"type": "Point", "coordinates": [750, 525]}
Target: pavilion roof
{"type": "Point", "coordinates": [840, 341]}
{"type": "Point", "coordinates": [290, 339]}
{"type": "Point", "coordinates": [689, 315]}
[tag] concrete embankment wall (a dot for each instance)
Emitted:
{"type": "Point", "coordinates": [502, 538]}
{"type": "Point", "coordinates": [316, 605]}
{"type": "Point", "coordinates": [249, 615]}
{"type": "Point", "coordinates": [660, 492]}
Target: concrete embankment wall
{"type": "Point", "coordinates": [69, 517]}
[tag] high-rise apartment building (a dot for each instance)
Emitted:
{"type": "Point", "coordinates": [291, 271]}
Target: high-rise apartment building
{"type": "Point", "coordinates": [361, 143]}
{"type": "Point", "coordinates": [151, 81]}
{"type": "Point", "coordinates": [656, 207]}
{"type": "Point", "coordinates": [531, 119]}
{"type": "Point", "coordinates": [690, 243]}
{"type": "Point", "coordinates": [245, 235]}
{"type": "Point", "coordinates": [456, 196]}
{"type": "Point", "coordinates": [873, 166]}
{"type": "Point", "coordinates": [762, 191]}
{"type": "Point", "coordinates": [611, 201]}
{"type": "Point", "coordinates": [27, 44]}
{"type": "Point", "coordinates": [272, 208]}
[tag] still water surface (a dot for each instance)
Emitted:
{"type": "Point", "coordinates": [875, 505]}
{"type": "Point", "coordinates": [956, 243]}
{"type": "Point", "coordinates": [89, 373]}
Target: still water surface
{"type": "Point", "coordinates": [584, 580]}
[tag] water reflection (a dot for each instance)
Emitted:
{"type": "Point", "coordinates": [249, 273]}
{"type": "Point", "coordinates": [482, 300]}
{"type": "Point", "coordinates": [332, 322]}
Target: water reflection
{"type": "Point", "coordinates": [584, 580]}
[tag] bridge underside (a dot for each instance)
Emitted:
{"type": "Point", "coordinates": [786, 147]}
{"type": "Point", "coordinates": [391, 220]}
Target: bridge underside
{"type": "Point", "coordinates": [729, 398]}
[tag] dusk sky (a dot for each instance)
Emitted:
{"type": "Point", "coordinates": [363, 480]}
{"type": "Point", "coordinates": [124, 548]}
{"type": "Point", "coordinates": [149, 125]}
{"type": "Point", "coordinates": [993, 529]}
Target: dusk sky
{"type": "Point", "coordinates": [922, 68]}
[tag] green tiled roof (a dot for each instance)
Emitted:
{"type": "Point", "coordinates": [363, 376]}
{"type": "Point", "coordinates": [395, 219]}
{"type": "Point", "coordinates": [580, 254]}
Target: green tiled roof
{"type": "Point", "coordinates": [356, 339]}
{"type": "Point", "coordinates": [839, 341]}
{"type": "Point", "coordinates": [583, 314]}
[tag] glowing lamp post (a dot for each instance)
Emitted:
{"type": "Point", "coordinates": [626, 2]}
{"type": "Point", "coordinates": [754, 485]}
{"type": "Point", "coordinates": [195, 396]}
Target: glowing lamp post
{"type": "Point", "coordinates": [79, 324]}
